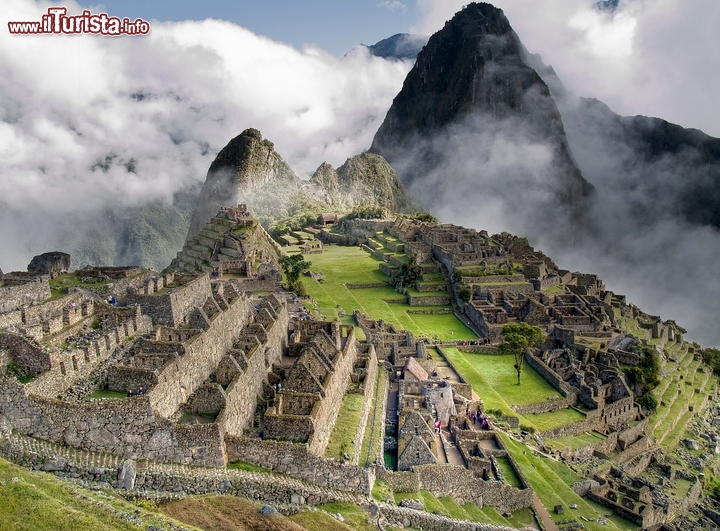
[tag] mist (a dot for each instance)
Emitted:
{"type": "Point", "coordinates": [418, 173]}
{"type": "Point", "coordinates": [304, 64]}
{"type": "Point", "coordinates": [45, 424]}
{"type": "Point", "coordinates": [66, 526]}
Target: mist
{"type": "Point", "coordinates": [654, 58]}
{"type": "Point", "coordinates": [93, 127]}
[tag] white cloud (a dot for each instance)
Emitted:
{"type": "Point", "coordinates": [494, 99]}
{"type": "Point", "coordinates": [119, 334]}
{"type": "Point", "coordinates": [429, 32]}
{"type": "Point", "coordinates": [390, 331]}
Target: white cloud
{"type": "Point", "coordinates": [163, 105]}
{"type": "Point", "coordinates": [393, 5]}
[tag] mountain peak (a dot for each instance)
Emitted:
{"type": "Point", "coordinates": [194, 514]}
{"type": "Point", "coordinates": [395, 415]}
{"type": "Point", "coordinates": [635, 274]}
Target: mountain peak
{"type": "Point", "coordinates": [472, 82]}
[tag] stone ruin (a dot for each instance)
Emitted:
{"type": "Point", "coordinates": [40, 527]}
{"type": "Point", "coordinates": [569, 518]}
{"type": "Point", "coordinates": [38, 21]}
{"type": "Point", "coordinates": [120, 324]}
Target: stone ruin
{"type": "Point", "coordinates": [232, 243]}
{"type": "Point", "coordinates": [585, 356]}
{"type": "Point", "coordinates": [210, 374]}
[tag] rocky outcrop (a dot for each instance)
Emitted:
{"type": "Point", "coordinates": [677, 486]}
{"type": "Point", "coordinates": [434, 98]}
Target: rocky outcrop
{"type": "Point", "coordinates": [54, 263]}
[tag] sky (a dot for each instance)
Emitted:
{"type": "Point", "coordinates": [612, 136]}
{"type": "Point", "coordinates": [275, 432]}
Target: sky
{"type": "Point", "coordinates": [90, 122]}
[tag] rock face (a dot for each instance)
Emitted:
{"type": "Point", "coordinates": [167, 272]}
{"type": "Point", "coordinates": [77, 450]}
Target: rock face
{"type": "Point", "coordinates": [54, 263]}
{"type": "Point", "coordinates": [472, 85]}
{"type": "Point", "coordinates": [666, 167]}
{"type": "Point", "coordinates": [364, 178]}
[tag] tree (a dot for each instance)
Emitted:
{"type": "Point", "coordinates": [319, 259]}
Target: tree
{"type": "Point", "coordinates": [292, 267]}
{"type": "Point", "coordinates": [518, 338]}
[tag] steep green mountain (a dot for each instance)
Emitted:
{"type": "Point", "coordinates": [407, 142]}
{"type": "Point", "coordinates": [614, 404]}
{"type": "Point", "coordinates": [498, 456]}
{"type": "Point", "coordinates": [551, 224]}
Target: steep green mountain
{"type": "Point", "coordinates": [248, 170]}
{"type": "Point", "coordinates": [147, 235]}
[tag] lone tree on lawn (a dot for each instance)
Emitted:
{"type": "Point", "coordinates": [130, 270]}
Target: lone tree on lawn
{"type": "Point", "coordinates": [292, 267]}
{"type": "Point", "coordinates": [518, 338]}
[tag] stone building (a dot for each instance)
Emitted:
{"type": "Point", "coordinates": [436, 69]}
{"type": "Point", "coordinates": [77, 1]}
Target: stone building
{"type": "Point", "coordinates": [306, 407]}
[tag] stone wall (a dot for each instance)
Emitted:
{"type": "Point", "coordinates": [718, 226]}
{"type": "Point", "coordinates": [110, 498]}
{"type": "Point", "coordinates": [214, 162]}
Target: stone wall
{"type": "Point", "coordinates": [324, 420]}
{"type": "Point", "coordinates": [477, 318]}
{"type": "Point", "coordinates": [124, 378]}
{"type": "Point", "coordinates": [297, 461]}
{"type": "Point", "coordinates": [42, 312]}
{"type": "Point", "coordinates": [480, 290]}
{"type": "Point", "coordinates": [551, 404]}
{"type": "Point", "coordinates": [423, 300]}
{"type": "Point", "coordinates": [650, 517]}
{"type": "Point", "coordinates": [182, 376]}
{"type": "Point", "coordinates": [68, 366]}
{"type": "Point", "coordinates": [29, 356]}
{"type": "Point", "coordinates": [127, 427]}
{"type": "Point", "coordinates": [632, 434]}
{"type": "Point", "coordinates": [23, 291]}
{"type": "Point", "coordinates": [408, 518]}
{"type": "Point", "coordinates": [402, 481]}
{"type": "Point", "coordinates": [461, 484]}
{"type": "Point", "coordinates": [173, 307]}
{"type": "Point", "coordinates": [253, 284]}
{"type": "Point", "coordinates": [10, 319]}
{"type": "Point", "coordinates": [552, 378]}
{"type": "Point", "coordinates": [620, 412]}
{"type": "Point", "coordinates": [368, 389]}
{"type": "Point", "coordinates": [244, 390]}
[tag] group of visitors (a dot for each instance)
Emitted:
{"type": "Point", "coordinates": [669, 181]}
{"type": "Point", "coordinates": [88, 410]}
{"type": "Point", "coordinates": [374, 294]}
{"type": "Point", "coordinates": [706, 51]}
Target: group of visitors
{"type": "Point", "coordinates": [466, 342]}
{"type": "Point", "coordinates": [135, 392]}
{"type": "Point", "coordinates": [477, 418]}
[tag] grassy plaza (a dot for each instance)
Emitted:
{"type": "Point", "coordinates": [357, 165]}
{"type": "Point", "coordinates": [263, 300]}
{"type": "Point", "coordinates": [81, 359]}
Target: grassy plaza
{"type": "Point", "coordinates": [353, 265]}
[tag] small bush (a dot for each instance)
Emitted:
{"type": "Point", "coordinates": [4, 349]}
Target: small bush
{"type": "Point", "coordinates": [464, 292]}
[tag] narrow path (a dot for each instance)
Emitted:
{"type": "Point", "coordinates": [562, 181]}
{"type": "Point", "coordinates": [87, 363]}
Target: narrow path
{"type": "Point", "coordinates": [452, 454]}
{"type": "Point", "coordinates": [391, 414]}
{"type": "Point", "coordinates": [541, 511]}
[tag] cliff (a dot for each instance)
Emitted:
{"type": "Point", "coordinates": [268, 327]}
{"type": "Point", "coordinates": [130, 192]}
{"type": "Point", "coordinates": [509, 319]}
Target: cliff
{"type": "Point", "coordinates": [364, 178]}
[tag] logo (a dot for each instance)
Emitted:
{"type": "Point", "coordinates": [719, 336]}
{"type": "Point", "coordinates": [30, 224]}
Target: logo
{"type": "Point", "coordinates": [58, 22]}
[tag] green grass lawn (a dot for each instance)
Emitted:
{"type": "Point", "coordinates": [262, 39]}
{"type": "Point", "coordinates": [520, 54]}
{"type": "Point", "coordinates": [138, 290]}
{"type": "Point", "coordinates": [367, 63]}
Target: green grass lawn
{"type": "Point", "coordinates": [494, 379]}
{"type": "Point", "coordinates": [36, 501]}
{"type": "Point", "coordinates": [508, 472]}
{"type": "Point", "coordinates": [355, 517]}
{"type": "Point", "coordinates": [575, 442]}
{"type": "Point", "coordinates": [104, 393]}
{"type": "Point", "coordinates": [555, 419]}
{"type": "Point", "coordinates": [341, 438]}
{"type": "Point", "coordinates": [353, 265]}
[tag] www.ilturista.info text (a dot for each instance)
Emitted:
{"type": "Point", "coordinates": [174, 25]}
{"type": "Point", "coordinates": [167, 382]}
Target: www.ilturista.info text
{"type": "Point", "coordinates": [57, 21]}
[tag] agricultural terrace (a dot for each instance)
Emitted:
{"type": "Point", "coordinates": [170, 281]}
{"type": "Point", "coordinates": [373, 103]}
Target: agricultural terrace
{"type": "Point", "coordinates": [352, 265]}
